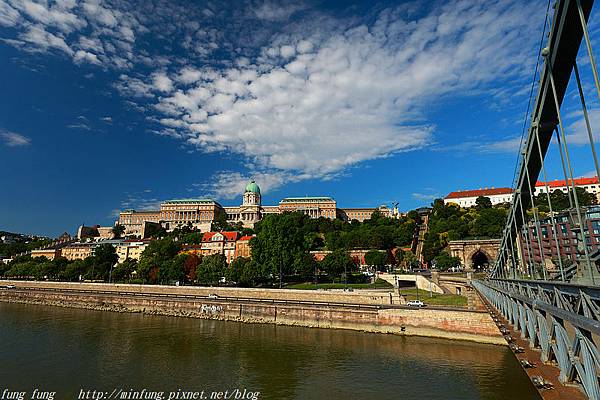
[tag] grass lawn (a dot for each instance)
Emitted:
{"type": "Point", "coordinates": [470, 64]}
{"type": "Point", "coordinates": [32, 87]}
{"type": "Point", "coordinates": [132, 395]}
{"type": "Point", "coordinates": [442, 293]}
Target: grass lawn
{"type": "Point", "coordinates": [380, 284]}
{"type": "Point", "coordinates": [437, 299]}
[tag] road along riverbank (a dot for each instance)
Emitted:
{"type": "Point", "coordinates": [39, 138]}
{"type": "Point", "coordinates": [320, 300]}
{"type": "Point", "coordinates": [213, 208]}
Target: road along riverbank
{"type": "Point", "coordinates": [367, 311]}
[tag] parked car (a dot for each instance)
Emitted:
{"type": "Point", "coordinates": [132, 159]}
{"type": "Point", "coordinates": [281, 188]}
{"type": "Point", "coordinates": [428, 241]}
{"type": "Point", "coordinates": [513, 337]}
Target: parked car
{"type": "Point", "coordinates": [213, 296]}
{"type": "Point", "coordinates": [415, 303]}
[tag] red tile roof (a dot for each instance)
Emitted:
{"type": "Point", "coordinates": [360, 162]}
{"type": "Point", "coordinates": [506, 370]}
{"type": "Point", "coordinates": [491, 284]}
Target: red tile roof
{"type": "Point", "coordinates": [246, 237]}
{"type": "Point", "coordinates": [229, 236]}
{"type": "Point", "coordinates": [479, 192]}
{"type": "Point", "coordinates": [562, 183]}
{"type": "Point", "coordinates": [553, 184]}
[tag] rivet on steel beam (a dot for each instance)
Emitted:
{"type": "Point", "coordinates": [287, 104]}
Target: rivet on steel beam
{"type": "Point", "coordinates": [545, 51]}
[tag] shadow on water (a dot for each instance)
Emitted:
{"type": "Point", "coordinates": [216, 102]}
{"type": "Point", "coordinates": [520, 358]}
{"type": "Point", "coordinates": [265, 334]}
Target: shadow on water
{"type": "Point", "coordinates": [66, 350]}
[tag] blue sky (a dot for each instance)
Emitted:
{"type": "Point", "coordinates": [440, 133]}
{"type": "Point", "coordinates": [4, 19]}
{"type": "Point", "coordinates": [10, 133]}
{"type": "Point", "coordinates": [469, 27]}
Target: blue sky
{"type": "Point", "coordinates": [107, 105]}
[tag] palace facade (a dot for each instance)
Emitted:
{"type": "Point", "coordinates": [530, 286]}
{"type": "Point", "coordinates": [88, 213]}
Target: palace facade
{"type": "Point", "coordinates": [201, 213]}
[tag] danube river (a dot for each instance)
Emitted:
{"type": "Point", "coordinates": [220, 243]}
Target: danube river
{"type": "Point", "coordinates": [75, 352]}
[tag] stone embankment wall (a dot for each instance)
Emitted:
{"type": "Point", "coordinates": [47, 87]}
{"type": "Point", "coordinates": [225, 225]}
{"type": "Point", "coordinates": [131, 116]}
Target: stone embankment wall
{"type": "Point", "coordinates": [444, 323]}
{"type": "Point", "coordinates": [331, 296]}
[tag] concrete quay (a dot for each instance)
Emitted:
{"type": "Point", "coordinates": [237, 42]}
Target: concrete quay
{"type": "Point", "coordinates": [369, 312]}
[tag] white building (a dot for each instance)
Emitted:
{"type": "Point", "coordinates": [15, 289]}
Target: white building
{"type": "Point", "coordinates": [590, 185]}
{"type": "Point", "coordinates": [131, 249]}
{"type": "Point", "coordinates": [468, 198]}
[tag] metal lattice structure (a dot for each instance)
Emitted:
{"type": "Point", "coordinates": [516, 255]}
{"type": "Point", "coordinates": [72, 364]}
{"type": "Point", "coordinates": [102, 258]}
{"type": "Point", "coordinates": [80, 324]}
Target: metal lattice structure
{"type": "Point", "coordinates": [549, 294]}
{"type": "Point", "coordinates": [562, 320]}
{"type": "Point", "coordinates": [567, 31]}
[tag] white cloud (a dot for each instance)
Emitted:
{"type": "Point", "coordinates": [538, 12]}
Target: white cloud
{"type": "Point", "coordinates": [8, 15]}
{"type": "Point", "coordinates": [38, 36]}
{"type": "Point", "coordinates": [287, 51]}
{"type": "Point", "coordinates": [162, 82]}
{"type": "Point", "coordinates": [426, 196]}
{"type": "Point", "coordinates": [80, 125]}
{"type": "Point", "coordinates": [137, 201]}
{"type": "Point", "coordinates": [357, 94]}
{"type": "Point", "coordinates": [304, 46]}
{"type": "Point", "coordinates": [298, 93]}
{"type": "Point", "coordinates": [82, 56]}
{"type": "Point", "coordinates": [577, 133]}
{"type": "Point", "coordinates": [276, 10]}
{"type": "Point", "coordinates": [189, 75]}
{"type": "Point", "coordinates": [133, 86]}
{"type": "Point", "coordinates": [58, 15]}
{"type": "Point", "coordinates": [94, 10]}
{"type": "Point", "coordinates": [88, 31]}
{"type": "Point", "coordinates": [13, 139]}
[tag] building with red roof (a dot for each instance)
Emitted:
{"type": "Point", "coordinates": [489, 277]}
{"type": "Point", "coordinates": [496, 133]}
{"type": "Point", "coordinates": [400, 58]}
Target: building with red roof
{"type": "Point", "coordinates": [468, 198]}
{"type": "Point", "coordinates": [589, 184]}
{"type": "Point", "coordinates": [229, 244]}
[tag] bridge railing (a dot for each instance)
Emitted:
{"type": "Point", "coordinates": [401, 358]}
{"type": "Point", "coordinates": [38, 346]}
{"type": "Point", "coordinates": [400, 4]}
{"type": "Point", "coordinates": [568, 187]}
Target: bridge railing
{"type": "Point", "coordinates": [559, 320]}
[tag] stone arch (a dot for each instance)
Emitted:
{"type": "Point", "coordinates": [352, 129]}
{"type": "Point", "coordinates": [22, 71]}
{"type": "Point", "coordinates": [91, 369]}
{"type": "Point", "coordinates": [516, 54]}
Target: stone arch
{"type": "Point", "coordinates": [466, 249]}
{"type": "Point", "coordinates": [479, 258]}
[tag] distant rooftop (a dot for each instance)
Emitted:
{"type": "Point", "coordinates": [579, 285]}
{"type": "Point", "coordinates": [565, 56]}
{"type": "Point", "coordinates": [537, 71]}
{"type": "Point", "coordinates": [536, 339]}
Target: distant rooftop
{"type": "Point", "coordinates": [561, 183]}
{"type": "Point", "coordinates": [305, 199]}
{"type": "Point", "coordinates": [187, 201]}
{"type": "Point", "coordinates": [479, 192]}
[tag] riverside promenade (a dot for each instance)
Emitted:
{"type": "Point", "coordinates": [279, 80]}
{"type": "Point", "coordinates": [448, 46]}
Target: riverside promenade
{"type": "Point", "coordinates": [369, 311]}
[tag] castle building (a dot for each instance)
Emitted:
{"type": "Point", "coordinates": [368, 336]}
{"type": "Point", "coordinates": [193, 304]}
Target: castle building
{"type": "Point", "coordinates": [251, 210]}
{"type": "Point", "coordinates": [201, 213]}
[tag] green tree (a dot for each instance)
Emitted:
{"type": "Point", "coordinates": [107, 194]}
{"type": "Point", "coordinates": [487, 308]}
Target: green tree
{"type": "Point", "coordinates": [337, 263]}
{"type": "Point", "coordinates": [173, 270]}
{"type": "Point", "coordinates": [211, 269]}
{"type": "Point", "coordinates": [118, 230]}
{"type": "Point", "coordinates": [245, 272]}
{"type": "Point", "coordinates": [123, 271]}
{"type": "Point", "coordinates": [155, 257]}
{"type": "Point", "coordinates": [490, 223]}
{"type": "Point", "coordinates": [78, 269]}
{"type": "Point", "coordinates": [445, 261]}
{"type": "Point", "coordinates": [279, 239]}
{"type": "Point", "coordinates": [105, 257]}
{"type": "Point", "coordinates": [560, 200]}
{"type": "Point", "coordinates": [483, 202]}
{"type": "Point", "coordinates": [305, 265]}
{"type": "Point", "coordinates": [409, 260]}
{"type": "Point", "coordinates": [376, 258]}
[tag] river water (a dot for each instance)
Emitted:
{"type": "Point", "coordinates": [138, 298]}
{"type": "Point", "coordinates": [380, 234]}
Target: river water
{"type": "Point", "coordinates": [71, 352]}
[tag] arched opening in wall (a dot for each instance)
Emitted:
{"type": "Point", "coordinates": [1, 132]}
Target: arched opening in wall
{"type": "Point", "coordinates": [479, 260]}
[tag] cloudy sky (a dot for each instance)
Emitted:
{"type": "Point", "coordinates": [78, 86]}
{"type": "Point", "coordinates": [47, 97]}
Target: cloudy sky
{"type": "Point", "coordinates": [119, 104]}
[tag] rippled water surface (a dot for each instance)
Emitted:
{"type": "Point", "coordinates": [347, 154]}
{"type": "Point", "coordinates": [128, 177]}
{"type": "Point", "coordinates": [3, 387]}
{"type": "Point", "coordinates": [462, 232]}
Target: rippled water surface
{"type": "Point", "coordinates": [66, 350]}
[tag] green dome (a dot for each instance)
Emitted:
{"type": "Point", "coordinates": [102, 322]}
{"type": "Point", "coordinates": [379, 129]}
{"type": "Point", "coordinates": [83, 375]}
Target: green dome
{"type": "Point", "coordinates": [252, 187]}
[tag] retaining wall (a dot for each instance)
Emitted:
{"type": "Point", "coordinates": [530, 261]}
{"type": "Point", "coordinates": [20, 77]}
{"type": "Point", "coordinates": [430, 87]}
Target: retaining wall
{"type": "Point", "coordinates": [450, 324]}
